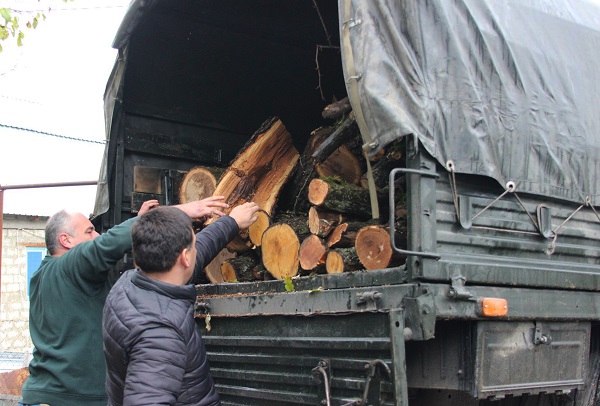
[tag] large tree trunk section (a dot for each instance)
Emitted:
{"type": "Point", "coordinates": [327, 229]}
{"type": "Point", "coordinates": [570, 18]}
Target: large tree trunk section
{"type": "Point", "coordinates": [240, 269]}
{"type": "Point", "coordinates": [334, 195]}
{"type": "Point", "coordinates": [260, 169]}
{"type": "Point", "coordinates": [312, 252]}
{"type": "Point", "coordinates": [280, 251]}
{"type": "Point", "coordinates": [199, 182]}
{"type": "Point", "coordinates": [342, 260]}
{"type": "Point", "coordinates": [374, 249]}
{"type": "Point", "coordinates": [321, 222]}
{"type": "Point", "coordinates": [213, 269]}
{"type": "Point", "coordinates": [256, 229]}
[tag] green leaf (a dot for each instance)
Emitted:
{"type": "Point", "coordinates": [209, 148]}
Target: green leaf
{"type": "Point", "coordinates": [3, 33]}
{"type": "Point", "coordinates": [5, 12]}
{"type": "Point", "coordinates": [35, 22]}
{"type": "Point", "coordinates": [0, 48]}
{"type": "Point", "coordinates": [320, 288]}
{"type": "Point", "coordinates": [289, 284]}
{"type": "Point", "coordinates": [20, 39]}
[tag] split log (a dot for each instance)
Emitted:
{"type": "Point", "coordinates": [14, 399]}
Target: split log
{"type": "Point", "coordinates": [213, 269]}
{"type": "Point", "coordinates": [240, 269]}
{"type": "Point", "coordinates": [260, 169]}
{"type": "Point", "coordinates": [313, 252]}
{"type": "Point", "coordinates": [198, 183]}
{"type": "Point", "coordinates": [342, 260]}
{"type": "Point", "coordinates": [321, 222]}
{"type": "Point", "coordinates": [344, 235]}
{"type": "Point", "coordinates": [256, 229]}
{"type": "Point", "coordinates": [279, 249]}
{"type": "Point", "coordinates": [337, 109]}
{"type": "Point", "coordinates": [374, 249]}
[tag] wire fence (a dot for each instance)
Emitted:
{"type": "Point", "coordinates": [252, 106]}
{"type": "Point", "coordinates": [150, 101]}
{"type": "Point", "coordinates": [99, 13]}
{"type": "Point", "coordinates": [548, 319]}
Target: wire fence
{"type": "Point", "coordinates": [15, 354]}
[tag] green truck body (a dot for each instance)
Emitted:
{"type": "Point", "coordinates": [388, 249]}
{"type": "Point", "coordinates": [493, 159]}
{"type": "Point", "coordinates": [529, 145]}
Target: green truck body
{"type": "Point", "coordinates": [501, 175]}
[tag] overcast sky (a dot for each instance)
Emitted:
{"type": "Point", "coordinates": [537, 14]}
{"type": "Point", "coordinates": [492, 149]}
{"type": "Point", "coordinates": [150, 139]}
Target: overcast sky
{"type": "Point", "coordinates": [54, 85]}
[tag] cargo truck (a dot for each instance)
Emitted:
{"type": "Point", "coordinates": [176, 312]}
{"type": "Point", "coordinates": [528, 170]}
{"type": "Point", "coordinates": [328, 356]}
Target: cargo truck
{"type": "Point", "coordinates": [497, 106]}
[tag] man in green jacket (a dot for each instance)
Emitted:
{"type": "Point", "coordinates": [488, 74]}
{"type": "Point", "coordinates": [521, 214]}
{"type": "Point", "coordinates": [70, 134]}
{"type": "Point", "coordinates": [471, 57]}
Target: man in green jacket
{"type": "Point", "coordinates": [67, 296]}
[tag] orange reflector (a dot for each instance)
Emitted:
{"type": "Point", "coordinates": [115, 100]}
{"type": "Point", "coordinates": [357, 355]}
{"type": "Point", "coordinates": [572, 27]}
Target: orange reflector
{"type": "Point", "coordinates": [494, 307]}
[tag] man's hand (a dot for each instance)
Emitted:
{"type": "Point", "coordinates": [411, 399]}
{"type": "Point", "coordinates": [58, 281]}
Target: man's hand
{"type": "Point", "coordinates": [245, 214]}
{"type": "Point", "coordinates": [146, 206]}
{"type": "Point", "coordinates": [205, 207]}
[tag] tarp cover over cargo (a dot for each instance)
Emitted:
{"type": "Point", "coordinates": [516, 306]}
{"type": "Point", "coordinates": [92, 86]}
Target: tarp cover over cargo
{"type": "Point", "coordinates": [505, 88]}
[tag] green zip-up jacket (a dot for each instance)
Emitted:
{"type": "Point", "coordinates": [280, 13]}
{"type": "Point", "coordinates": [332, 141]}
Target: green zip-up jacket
{"type": "Point", "coordinates": [65, 322]}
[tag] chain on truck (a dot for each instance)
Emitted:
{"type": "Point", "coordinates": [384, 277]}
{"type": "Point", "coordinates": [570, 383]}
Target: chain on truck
{"type": "Point", "coordinates": [495, 104]}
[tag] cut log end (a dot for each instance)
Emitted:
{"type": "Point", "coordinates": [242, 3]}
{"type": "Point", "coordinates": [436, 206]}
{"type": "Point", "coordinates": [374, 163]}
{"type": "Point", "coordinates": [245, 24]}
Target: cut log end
{"type": "Point", "coordinates": [313, 252]}
{"type": "Point", "coordinates": [280, 247]}
{"type": "Point", "coordinates": [199, 183]}
{"type": "Point", "coordinates": [317, 191]}
{"type": "Point", "coordinates": [257, 229]}
{"type": "Point", "coordinates": [334, 263]}
{"type": "Point", "coordinates": [373, 247]}
{"type": "Point", "coordinates": [213, 269]}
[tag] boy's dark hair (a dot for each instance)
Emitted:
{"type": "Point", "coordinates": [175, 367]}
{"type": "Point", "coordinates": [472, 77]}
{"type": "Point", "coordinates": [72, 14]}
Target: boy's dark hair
{"type": "Point", "coordinates": [158, 237]}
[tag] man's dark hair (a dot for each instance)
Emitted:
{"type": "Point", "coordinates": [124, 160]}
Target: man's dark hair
{"type": "Point", "coordinates": [158, 237]}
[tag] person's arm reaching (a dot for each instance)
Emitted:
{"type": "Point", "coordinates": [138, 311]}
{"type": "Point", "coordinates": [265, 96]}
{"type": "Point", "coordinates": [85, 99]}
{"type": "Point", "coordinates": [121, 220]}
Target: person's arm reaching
{"type": "Point", "coordinates": [211, 240]}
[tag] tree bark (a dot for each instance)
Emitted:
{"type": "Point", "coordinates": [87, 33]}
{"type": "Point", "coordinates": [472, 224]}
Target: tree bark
{"type": "Point", "coordinates": [240, 269]}
{"type": "Point", "coordinates": [337, 109]}
{"type": "Point", "coordinates": [279, 249]}
{"type": "Point", "coordinates": [298, 222]}
{"type": "Point", "coordinates": [335, 195]}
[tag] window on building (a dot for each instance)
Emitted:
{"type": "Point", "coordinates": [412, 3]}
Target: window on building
{"type": "Point", "coordinates": [34, 259]}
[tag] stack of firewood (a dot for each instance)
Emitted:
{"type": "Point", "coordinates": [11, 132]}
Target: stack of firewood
{"type": "Point", "coordinates": [316, 214]}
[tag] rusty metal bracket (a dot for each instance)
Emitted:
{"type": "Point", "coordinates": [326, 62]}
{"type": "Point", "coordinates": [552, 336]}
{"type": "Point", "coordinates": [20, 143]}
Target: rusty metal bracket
{"type": "Point", "coordinates": [373, 380]}
{"type": "Point", "coordinates": [322, 374]}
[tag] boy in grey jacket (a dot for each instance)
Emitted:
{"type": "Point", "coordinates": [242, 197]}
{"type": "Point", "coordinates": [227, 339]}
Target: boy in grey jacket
{"type": "Point", "coordinates": [153, 347]}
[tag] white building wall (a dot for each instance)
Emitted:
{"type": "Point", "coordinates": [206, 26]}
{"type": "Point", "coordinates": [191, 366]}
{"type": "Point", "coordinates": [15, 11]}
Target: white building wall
{"type": "Point", "coordinates": [18, 233]}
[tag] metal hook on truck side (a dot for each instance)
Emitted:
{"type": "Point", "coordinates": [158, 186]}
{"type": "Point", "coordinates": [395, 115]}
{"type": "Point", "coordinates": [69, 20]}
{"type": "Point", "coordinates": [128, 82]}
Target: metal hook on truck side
{"type": "Point", "coordinates": [392, 207]}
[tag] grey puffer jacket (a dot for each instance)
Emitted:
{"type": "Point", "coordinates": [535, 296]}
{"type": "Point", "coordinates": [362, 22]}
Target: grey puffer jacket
{"type": "Point", "coordinates": [171, 367]}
